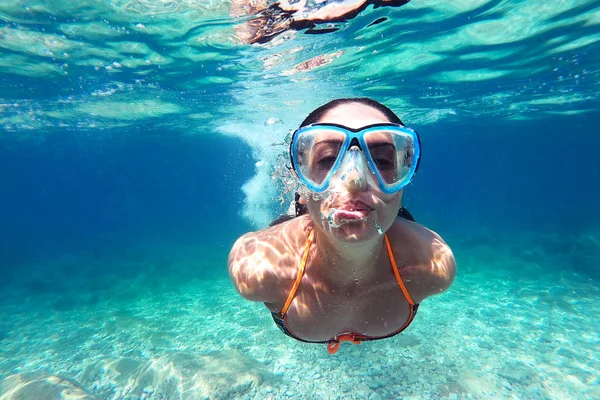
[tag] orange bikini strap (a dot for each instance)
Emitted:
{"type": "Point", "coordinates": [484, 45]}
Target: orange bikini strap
{"type": "Point", "coordinates": [300, 274]}
{"type": "Point", "coordinates": [397, 273]}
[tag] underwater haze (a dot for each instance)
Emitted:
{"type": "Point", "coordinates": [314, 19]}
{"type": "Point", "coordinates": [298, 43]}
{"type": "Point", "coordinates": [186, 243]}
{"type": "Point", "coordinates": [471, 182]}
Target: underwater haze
{"type": "Point", "coordinates": [140, 138]}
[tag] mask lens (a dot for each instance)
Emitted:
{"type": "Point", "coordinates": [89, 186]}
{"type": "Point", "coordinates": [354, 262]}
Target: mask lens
{"type": "Point", "coordinates": [392, 153]}
{"type": "Point", "coordinates": [317, 152]}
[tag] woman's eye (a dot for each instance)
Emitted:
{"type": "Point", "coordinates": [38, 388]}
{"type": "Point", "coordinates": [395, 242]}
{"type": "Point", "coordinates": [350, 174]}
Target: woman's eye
{"type": "Point", "coordinates": [385, 164]}
{"type": "Point", "coordinates": [326, 162]}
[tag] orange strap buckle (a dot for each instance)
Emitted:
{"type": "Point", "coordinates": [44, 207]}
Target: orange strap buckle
{"type": "Point", "coordinates": [334, 345]}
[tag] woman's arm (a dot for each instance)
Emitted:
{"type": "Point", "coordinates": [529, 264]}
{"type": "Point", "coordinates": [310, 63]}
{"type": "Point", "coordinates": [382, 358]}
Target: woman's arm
{"type": "Point", "coordinates": [441, 268]}
{"type": "Point", "coordinates": [428, 263]}
{"type": "Point", "coordinates": [252, 268]}
{"type": "Point", "coordinates": [263, 265]}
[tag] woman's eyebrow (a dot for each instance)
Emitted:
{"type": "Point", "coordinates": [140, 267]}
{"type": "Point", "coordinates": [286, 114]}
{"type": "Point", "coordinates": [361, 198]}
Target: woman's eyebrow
{"type": "Point", "coordinates": [373, 145]}
{"type": "Point", "coordinates": [328, 141]}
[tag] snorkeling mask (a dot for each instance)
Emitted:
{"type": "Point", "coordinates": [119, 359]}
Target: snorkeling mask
{"type": "Point", "coordinates": [390, 151]}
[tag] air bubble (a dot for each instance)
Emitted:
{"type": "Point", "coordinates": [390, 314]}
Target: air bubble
{"type": "Point", "coordinates": [378, 227]}
{"type": "Point", "coordinates": [330, 218]}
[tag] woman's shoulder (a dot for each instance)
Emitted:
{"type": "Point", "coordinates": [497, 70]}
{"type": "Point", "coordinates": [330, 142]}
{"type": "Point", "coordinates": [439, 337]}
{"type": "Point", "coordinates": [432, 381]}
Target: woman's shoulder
{"type": "Point", "coordinates": [287, 234]}
{"type": "Point", "coordinates": [422, 254]}
{"type": "Point", "coordinates": [410, 234]}
{"type": "Point", "coordinates": [259, 262]}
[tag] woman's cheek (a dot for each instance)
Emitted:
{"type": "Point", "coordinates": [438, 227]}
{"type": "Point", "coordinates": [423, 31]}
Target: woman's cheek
{"type": "Point", "coordinates": [389, 210]}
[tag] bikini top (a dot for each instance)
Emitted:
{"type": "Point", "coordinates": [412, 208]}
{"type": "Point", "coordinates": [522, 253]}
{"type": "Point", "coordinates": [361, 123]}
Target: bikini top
{"type": "Point", "coordinates": [333, 344]}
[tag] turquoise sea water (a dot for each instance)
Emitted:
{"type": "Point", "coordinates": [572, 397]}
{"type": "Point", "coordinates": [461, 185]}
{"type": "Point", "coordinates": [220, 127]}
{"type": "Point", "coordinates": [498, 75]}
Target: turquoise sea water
{"type": "Point", "coordinates": [140, 138]}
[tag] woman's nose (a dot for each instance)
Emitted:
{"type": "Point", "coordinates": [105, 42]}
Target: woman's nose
{"type": "Point", "coordinates": [355, 181]}
{"type": "Point", "coordinates": [354, 177]}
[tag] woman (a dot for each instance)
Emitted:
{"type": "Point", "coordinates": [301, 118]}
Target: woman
{"type": "Point", "coordinates": [349, 269]}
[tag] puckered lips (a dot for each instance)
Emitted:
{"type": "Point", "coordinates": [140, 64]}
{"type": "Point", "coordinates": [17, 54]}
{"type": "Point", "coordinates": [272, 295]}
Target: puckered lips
{"type": "Point", "coordinates": [353, 210]}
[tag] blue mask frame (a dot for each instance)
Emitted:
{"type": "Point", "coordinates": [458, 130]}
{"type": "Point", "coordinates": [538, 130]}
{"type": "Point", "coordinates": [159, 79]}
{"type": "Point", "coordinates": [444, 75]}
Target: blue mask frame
{"type": "Point", "coordinates": [355, 137]}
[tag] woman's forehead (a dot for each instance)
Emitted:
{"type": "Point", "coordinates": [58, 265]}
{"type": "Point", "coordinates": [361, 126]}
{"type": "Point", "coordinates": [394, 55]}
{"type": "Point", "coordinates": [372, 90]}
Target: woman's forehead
{"type": "Point", "coordinates": [353, 115]}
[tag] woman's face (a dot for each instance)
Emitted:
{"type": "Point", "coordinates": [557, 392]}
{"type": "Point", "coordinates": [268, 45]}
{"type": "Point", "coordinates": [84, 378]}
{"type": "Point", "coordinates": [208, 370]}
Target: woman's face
{"type": "Point", "coordinates": [353, 208]}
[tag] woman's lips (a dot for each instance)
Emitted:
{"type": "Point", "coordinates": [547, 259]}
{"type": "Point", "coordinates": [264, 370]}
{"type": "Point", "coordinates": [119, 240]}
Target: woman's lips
{"type": "Point", "coordinates": [352, 215]}
{"type": "Point", "coordinates": [353, 211]}
{"type": "Point", "coordinates": [356, 206]}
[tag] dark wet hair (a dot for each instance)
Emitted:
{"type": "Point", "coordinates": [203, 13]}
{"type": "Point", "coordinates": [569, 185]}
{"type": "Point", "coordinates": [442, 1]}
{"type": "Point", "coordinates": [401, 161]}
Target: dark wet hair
{"type": "Point", "coordinates": [317, 114]}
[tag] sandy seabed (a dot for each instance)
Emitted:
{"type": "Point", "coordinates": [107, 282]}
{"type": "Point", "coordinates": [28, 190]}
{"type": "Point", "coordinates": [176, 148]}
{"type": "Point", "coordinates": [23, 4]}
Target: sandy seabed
{"type": "Point", "coordinates": [515, 324]}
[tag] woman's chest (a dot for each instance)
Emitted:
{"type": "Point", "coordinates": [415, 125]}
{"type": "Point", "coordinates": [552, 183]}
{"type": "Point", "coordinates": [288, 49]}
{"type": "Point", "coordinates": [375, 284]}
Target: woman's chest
{"type": "Point", "coordinates": [375, 310]}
